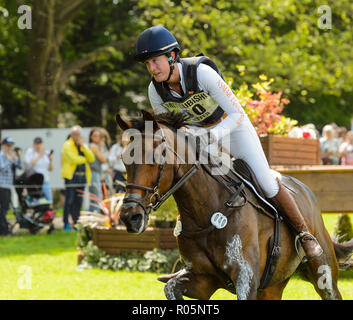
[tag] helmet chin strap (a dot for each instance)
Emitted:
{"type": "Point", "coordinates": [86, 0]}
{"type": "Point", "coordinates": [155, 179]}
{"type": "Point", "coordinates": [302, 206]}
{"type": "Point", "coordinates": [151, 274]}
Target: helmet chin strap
{"type": "Point", "coordinates": [171, 64]}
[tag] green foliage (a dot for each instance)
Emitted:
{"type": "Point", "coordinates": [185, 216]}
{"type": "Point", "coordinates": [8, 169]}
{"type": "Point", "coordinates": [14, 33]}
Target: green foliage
{"type": "Point", "coordinates": [156, 260]}
{"type": "Point", "coordinates": [263, 107]}
{"type": "Point", "coordinates": [278, 38]}
{"type": "Point", "coordinates": [311, 66]}
{"type": "Point", "coordinates": [14, 93]}
{"type": "Point", "coordinates": [168, 211]}
{"type": "Point", "coordinates": [343, 230]}
{"type": "Point", "coordinates": [84, 235]}
{"type": "Point", "coordinates": [283, 126]}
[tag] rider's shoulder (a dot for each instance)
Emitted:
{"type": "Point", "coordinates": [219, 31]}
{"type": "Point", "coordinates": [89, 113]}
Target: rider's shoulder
{"type": "Point", "coordinates": [151, 88]}
{"type": "Point", "coordinates": [153, 94]}
{"type": "Point", "coordinates": [205, 73]}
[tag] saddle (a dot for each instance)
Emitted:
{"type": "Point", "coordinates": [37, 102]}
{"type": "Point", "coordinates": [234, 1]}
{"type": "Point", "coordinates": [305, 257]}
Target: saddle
{"type": "Point", "coordinates": [241, 182]}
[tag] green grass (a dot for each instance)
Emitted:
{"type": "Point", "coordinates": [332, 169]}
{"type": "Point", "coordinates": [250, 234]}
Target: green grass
{"type": "Point", "coordinates": [51, 265]}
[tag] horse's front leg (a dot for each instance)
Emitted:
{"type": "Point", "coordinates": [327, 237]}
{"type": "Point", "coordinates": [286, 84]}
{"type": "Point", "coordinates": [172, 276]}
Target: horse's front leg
{"type": "Point", "coordinates": [187, 283]}
{"type": "Point", "coordinates": [245, 282]}
{"type": "Point", "coordinates": [243, 268]}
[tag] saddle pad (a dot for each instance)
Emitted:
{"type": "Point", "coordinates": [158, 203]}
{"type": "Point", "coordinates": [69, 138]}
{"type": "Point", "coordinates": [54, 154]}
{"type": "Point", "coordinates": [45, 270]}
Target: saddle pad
{"type": "Point", "coordinates": [241, 173]}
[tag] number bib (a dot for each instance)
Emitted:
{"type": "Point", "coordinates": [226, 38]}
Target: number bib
{"type": "Point", "coordinates": [199, 106]}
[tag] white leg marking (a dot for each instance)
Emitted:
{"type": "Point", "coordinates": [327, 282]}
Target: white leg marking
{"type": "Point", "coordinates": [234, 254]}
{"type": "Point", "coordinates": [169, 289]}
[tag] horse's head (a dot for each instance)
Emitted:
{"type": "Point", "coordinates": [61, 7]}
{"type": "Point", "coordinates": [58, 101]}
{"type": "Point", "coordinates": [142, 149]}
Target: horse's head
{"type": "Point", "coordinates": [149, 168]}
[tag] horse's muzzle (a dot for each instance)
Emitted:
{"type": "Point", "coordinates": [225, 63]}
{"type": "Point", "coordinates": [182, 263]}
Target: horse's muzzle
{"type": "Point", "coordinates": [134, 219]}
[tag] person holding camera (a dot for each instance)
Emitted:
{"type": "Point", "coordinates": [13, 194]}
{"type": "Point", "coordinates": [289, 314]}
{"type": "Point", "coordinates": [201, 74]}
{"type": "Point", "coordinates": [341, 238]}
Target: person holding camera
{"type": "Point", "coordinates": [75, 169]}
{"type": "Point", "coordinates": [8, 160]}
{"type": "Point", "coordinates": [41, 161]}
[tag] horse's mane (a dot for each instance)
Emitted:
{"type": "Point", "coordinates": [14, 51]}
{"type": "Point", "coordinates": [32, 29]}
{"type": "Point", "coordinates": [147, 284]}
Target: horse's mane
{"type": "Point", "coordinates": [171, 119]}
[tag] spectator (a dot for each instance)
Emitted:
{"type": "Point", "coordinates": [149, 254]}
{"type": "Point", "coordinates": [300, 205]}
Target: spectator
{"type": "Point", "coordinates": [116, 162]}
{"type": "Point", "coordinates": [75, 159]}
{"type": "Point", "coordinates": [18, 153]}
{"type": "Point", "coordinates": [346, 149]}
{"type": "Point", "coordinates": [335, 129]}
{"type": "Point", "coordinates": [107, 141]}
{"type": "Point", "coordinates": [8, 160]}
{"type": "Point", "coordinates": [95, 144]}
{"type": "Point", "coordinates": [341, 135]}
{"type": "Point", "coordinates": [329, 146]}
{"type": "Point", "coordinates": [107, 172]}
{"type": "Point", "coordinates": [315, 134]}
{"type": "Point", "coordinates": [40, 161]}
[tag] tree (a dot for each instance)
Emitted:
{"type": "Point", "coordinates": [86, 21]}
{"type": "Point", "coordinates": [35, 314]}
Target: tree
{"type": "Point", "coordinates": [312, 66]}
{"type": "Point", "coordinates": [115, 82]}
{"type": "Point", "coordinates": [79, 54]}
{"type": "Point", "coordinates": [13, 93]}
{"type": "Point", "coordinates": [48, 69]}
{"type": "Point", "coordinates": [49, 72]}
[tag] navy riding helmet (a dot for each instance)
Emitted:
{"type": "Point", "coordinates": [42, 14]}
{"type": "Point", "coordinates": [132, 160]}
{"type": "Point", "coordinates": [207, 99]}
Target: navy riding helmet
{"type": "Point", "coordinates": [155, 41]}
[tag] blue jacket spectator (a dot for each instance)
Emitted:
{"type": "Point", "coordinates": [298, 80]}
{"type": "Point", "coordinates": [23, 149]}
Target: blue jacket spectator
{"type": "Point", "coordinates": [8, 161]}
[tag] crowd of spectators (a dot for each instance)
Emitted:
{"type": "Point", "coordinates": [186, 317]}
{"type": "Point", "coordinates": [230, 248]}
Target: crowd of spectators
{"type": "Point", "coordinates": [96, 163]}
{"type": "Point", "coordinates": [336, 144]}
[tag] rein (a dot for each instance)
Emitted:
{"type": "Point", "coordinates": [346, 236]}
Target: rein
{"type": "Point", "coordinates": [160, 199]}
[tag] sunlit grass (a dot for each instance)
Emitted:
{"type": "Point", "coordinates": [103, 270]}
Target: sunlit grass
{"type": "Point", "coordinates": [51, 265]}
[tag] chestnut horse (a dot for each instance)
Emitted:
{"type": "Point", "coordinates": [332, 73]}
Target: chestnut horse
{"type": "Point", "coordinates": [234, 257]}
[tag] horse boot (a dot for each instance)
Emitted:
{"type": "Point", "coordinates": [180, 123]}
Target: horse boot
{"type": "Point", "coordinates": [286, 204]}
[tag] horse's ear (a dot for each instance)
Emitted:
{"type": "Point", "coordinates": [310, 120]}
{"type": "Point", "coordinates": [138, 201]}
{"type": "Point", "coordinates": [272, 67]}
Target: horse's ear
{"type": "Point", "coordinates": [147, 116]}
{"type": "Point", "coordinates": [121, 123]}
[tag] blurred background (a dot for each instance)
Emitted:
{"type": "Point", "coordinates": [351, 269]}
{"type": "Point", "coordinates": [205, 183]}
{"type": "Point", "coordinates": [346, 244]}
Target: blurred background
{"type": "Point", "coordinates": [75, 65]}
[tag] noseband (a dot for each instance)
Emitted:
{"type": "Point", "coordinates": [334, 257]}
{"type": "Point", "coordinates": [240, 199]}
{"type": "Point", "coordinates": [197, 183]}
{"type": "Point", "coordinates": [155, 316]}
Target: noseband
{"type": "Point", "coordinates": [154, 190]}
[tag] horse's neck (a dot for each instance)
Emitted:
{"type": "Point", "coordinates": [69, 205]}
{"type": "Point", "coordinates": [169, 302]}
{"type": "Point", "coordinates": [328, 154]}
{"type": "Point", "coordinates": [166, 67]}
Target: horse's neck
{"type": "Point", "coordinates": [198, 198]}
{"type": "Point", "coordinates": [201, 195]}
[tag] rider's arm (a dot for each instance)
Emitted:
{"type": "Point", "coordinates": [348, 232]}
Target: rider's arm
{"type": "Point", "coordinates": [210, 81]}
{"type": "Point", "coordinates": [217, 88]}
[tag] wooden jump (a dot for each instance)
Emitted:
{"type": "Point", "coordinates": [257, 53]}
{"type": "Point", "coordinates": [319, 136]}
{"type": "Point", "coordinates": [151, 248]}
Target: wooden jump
{"type": "Point", "coordinates": [116, 240]}
{"type": "Point", "coordinates": [332, 185]}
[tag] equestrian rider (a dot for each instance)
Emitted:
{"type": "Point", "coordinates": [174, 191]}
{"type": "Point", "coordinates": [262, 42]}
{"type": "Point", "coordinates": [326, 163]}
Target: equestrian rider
{"type": "Point", "coordinates": [158, 49]}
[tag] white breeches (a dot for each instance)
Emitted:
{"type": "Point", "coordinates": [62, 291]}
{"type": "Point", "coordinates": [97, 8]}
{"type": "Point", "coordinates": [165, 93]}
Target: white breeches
{"type": "Point", "coordinates": [245, 144]}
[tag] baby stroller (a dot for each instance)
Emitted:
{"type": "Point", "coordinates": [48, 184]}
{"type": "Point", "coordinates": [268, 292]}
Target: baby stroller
{"type": "Point", "coordinates": [34, 211]}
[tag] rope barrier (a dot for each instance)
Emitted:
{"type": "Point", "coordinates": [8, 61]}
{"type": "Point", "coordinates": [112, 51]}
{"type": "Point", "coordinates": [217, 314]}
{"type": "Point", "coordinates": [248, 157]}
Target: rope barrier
{"type": "Point", "coordinates": [23, 186]}
{"type": "Point", "coordinates": [71, 185]}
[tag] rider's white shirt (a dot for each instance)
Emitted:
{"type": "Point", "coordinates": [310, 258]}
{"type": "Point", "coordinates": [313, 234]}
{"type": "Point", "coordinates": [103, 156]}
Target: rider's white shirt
{"type": "Point", "coordinates": [242, 139]}
{"type": "Point", "coordinates": [210, 82]}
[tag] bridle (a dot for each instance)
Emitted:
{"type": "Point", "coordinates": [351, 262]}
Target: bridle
{"type": "Point", "coordinates": [160, 199]}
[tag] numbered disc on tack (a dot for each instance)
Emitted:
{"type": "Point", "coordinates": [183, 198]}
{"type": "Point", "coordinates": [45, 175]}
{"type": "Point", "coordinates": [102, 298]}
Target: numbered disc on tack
{"type": "Point", "coordinates": [219, 220]}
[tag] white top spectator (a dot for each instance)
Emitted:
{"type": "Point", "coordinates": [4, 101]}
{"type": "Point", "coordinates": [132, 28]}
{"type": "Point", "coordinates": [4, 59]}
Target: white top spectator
{"type": "Point", "coordinates": [39, 161]}
{"type": "Point", "coordinates": [115, 159]}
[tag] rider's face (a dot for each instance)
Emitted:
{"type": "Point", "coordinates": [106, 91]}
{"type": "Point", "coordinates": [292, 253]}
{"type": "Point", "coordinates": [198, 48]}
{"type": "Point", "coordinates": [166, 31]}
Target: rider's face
{"type": "Point", "coordinates": [158, 67]}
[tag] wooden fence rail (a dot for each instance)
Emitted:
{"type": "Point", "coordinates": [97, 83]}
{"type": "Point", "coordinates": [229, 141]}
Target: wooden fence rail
{"type": "Point", "coordinates": [332, 185]}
